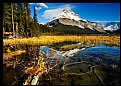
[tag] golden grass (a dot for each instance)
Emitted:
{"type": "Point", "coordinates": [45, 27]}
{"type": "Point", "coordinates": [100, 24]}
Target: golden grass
{"type": "Point", "coordinates": [43, 40]}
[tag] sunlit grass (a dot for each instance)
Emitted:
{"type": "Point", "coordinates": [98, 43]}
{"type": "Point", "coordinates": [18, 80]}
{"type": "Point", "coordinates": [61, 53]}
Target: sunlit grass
{"type": "Point", "coordinates": [43, 40]}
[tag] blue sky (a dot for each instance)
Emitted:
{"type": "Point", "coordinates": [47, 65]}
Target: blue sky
{"type": "Point", "coordinates": [97, 12]}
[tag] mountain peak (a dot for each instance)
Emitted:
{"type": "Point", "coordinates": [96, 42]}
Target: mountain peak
{"type": "Point", "coordinates": [67, 10]}
{"type": "Point", "coordinates": [112, 26]}
{"type": "Point", "coordinates": [67, 13]}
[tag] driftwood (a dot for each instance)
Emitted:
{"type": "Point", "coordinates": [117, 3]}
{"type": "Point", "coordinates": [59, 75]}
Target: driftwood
{"type": "Point", "coordinates": [36, 71]}
{"type": "Point", "coordinates": [11, 55]}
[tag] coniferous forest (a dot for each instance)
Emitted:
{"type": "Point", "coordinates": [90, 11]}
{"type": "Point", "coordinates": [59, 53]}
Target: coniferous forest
{"type": "Point", "coordinates": [16, 19]}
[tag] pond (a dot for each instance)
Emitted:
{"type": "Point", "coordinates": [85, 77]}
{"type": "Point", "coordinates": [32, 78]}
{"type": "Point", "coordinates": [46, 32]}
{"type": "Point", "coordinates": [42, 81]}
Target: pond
{"type": "Point", "coordinates": [106, 60]}
{"type": "Point", "coordinates": [102, 52]}
{"type": "Point", "coordinates": [97, 65]}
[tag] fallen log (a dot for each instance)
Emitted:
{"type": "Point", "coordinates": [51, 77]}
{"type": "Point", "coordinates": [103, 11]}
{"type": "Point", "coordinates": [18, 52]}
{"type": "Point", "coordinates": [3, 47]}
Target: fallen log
{"type": "Point", "coordinates": [11, 55]}
{"type": "Point", "coordinates": [37, 71]}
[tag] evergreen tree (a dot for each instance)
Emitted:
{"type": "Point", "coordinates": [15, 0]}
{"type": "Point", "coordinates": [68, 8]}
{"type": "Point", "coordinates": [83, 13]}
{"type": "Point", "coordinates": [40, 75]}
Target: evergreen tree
{"type": "Point", "coordinates": [27, 27]}
{"type": "Point", "coordinates": [36, 30]}
{"type": "Point", "coordinates": [29, 20]}
{"type": "Point", "coordinates": [20, 19]}
{"type": "Point", "coordinates": [15, 17]}
{"type": "Point", "coordinates": [7, 23]}
{"type": "Point", "coordinates": [12, 12]}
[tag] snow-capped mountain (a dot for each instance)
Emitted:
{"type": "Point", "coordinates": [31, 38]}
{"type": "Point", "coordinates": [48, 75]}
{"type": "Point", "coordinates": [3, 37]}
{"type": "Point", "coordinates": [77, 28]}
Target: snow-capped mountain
{"type": "Point", "coordinates": [112, 26]}
{"type": "Point", "coordinates": [68, 13]}
{"type": "Point", "coordinates": [68, 19]}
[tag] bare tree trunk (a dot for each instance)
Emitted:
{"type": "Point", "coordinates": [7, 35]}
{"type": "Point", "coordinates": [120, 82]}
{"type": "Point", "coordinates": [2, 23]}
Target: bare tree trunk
{"type": "Point", "coordinates": [13, 20]}
{"type": "Point", "coordinates": [26, 24]}
{"type": "Point", "coordinates": [25, 30]}
{"type": "Point", "coordinates": [16, 30]}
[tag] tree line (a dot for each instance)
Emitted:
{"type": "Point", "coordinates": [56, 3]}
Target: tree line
{"type": "Point", "coordinates": [17, 19]}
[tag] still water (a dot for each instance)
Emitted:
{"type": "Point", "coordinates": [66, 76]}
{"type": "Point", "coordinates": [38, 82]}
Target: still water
{"type": "Point", "coordinates": [103, 52]}
{"type": "Point", "coordinates": [98, 65]}
{"type": "Point", "coordinates": [104, 61]}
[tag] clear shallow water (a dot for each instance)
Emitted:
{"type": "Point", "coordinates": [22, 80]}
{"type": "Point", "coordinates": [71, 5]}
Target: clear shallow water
{"type": "Point", "coordinates": [109, 54]}
{"type": "Point", "coordinates": [104, 61]}
{"type": "Point", "coordinates": [97, 55]}
{"type": "Point", "coordinates": [113, 51]}
{"type": "Point", "coordinates": [107, 62]}
{"type": "Point", "coordinates": [101, 51]}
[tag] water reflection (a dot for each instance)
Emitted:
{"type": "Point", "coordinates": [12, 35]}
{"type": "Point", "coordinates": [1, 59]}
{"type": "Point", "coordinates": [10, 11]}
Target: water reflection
{"type": "Point", "coordinates": [102, 51]}
{"type": "Point", "coordinates": [88, 65]}
{"type": "Point", "coordinates": [50, 53]}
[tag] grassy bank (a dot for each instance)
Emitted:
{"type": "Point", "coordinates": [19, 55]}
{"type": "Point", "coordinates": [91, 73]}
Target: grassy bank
{"type": "Point", "coordinates": [44, 40]}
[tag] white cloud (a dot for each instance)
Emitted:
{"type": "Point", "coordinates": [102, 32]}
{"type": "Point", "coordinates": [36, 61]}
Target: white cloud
{"type": "Point", "coordinates": [43, 5]}
{"type": "Point", "coordinates": [49, 14]}
{"type": "Point", "coordinates": [38, 8]}
{"type": "Point", "coordinates": [40, 4]}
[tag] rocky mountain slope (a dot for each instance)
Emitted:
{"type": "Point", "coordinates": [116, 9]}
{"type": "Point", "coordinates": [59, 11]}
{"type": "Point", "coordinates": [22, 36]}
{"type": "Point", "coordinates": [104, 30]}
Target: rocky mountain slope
{"type": "Point", "coordinates": [71, 20]}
